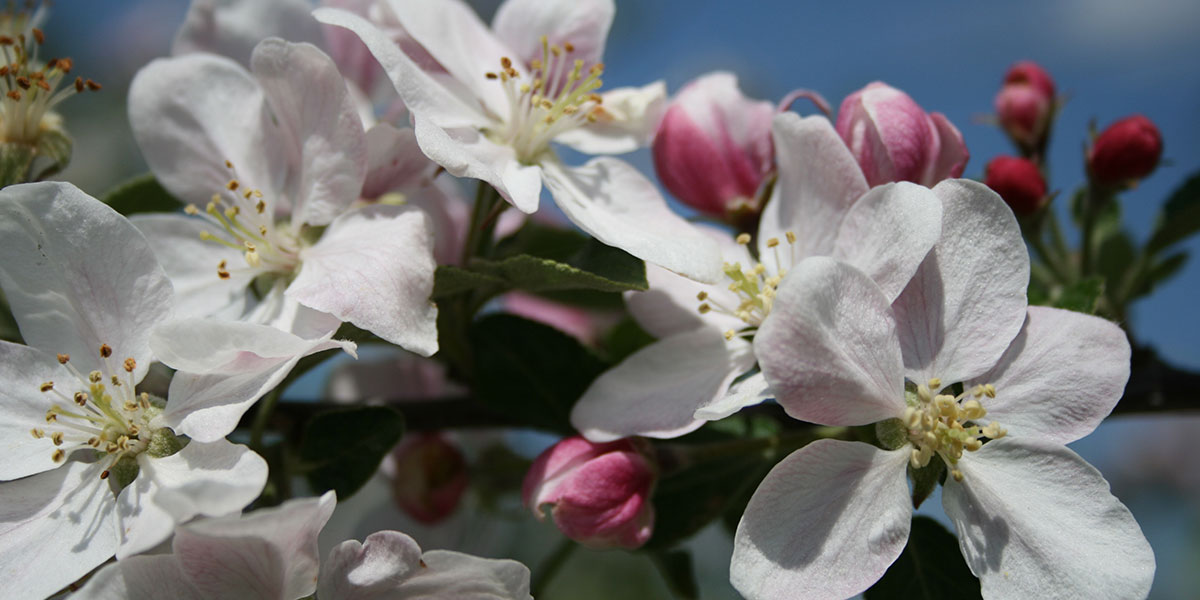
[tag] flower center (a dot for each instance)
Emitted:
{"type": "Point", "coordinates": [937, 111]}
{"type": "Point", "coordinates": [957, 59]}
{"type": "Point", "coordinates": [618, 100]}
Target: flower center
{"type": "Point", "coordinates": [947, 425]}
{"type": "Point", "coordinates": [247, 225]}
{"type": "Point", "coordinates": [110, 417]}
{"type": "Point", "coordinates": [754, 288]}
{"type": "Point", "coordinates": [29, 89]}
{"type": "Point", "coordinates": [558, 97]}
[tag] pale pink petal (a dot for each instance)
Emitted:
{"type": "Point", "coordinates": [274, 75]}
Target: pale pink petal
{"type": "Point", "coordinates": [617, 205]}
{"type": "Point", "coordinates": [952, 154]}
{"type": "Point", "coordinates": [818, 182]}
{"type": "Point", "coordinates": [1060, 377]}
{"type": "Point", "coordinates": [319, 129]}
{"type": "Point", "coordinates": [466, 152]}
{"type": "Point", "coordinates": [191, 265]}
{"type": "Point", "coordinates": [394, 161]}
{"type": "Point", "coordinates": [23, 371]}
{"type": "Point", "coordinates": [655, 391]}
{"type": "Point", "coordinates": [829, 347]}
{"type": "Point", "coordinates": [232, 28]}
{"type": "Point", "coordinates": [374, 267]}
{"type": "Point", "coordinates": [78, 275]}
{"type": "Point", "coordinates": [826, 522]}
{"type": "Point", "coordinates": [373, 569]}
{"type": "Point", "coordinates": [747, 392]}
{"type": "Point", "coordinates": [967, 300]}
{"type": "Point", "coordinates": [137, 577]}
{"type": "Point", "coordinates": [583, 23]}
{"type": "Point", "coordinates": [457, 576]}
{"type": "Point", "coordinates": [631, 116]}
{"type": "Point", "coordinates": [269, 553]}
{"type": "Point", "coordinates": [1035, 520]}
{"type": "Point", "coordinates": [54, 528]}
{"type": "Point", "coordinates": [449, 212]}
{"type": "Point", "coordinates": [887, 233]}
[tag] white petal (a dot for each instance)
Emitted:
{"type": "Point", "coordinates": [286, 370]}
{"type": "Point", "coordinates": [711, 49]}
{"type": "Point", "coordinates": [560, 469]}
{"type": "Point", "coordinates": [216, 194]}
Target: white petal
{"type": "Point", "coordinates": [455, 576]}
{"type": "Point", "coordinates": [78, 275]}
{"type": "Point", "coordinates": [1035, 520]}
{"type": "Point", "coordinates": [887, 233]}
{"type": "Point", "coordinates": [632, 117]}
{"type": "Point", "coordinates": [192, 113]}
{"type": "Point", "coordinates": [826, 522]}
{"type": "Point", "coordinates": [583, 23]}
{"type": "Point", "coordinates": [138, 577]}
{"type": "Point", "coordinates": [209, 346]}
{"type": "Point", "coordinates": [967, 300]}
{"type": "Point", "coordinates": [210, 479]}
{"type": "Point", "coordinates": [231, 28]}
{"type": "Point", "coordinates": [1060, 377]}
{"type": "Point", "coordinates": [54, 528]}
{"type": "Point", "coordinates": [374, 267]}
{"type": "Point", "coordinates": [281, 312]}
{"type": "Point", "coordinates": [818, 182]}
{"type": "Point", "coordinates": [422, 94]}
{"type": "Point", "coordinates": [23, 404]}
{"type": "Point", "coordinates": [455, 36]}
{"type": "Point", "coordinates": [747, 392]}
{"type": "Point", "coordinates": [671, 305]}
{"type": "Point", "coordinates": [191, 265]}
{"type": "Point", "coordinates": [617, 205]}
{"type": "Point", "coordinates": [394, 161]}
{"type": "Point", "coordinates": [465, 152]}
{"type": "Point", "coordinates": [319, 128]}
{"type": "Point", "coordinates": [655, 391]}
{"type": "Point", "coordinates": [269, 553]}
{"type": "Point", "coordinates": [829, 347]}
{"type": "Point", "coordinates": [371, 570]}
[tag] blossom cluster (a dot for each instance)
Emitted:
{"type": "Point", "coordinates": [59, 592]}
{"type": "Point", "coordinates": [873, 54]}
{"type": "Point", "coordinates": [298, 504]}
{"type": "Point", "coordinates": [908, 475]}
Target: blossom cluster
{"type": "Point", "coordinates": [846, 282]}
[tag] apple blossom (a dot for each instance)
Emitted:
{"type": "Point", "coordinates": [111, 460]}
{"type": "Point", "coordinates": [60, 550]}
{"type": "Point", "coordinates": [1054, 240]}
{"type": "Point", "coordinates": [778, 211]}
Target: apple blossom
{"type": "Point", "coordinates": [1033, 519]}
{"type": "Point", "coordinates": [91, 470]}
{"type": "Point", "coordinates": [894, 139]}
{"type": "Point", "coordinates": [429, 476]}
{"type": "Point", "coordinates": [508, 93]}
{"type": "Point", "coordinates": [702, 366]}
{"type": "Point", "coordinates": [277, 159]}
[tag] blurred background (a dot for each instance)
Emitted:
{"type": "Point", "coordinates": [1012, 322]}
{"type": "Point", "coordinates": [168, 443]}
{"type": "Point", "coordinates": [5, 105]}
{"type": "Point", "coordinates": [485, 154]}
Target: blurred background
{"type": "Point", "coordinates": [1112, 58]}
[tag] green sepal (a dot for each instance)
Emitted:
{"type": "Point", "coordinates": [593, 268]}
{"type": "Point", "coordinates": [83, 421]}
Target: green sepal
{"type": "Point", "coordinates": [164, 442]}
{"type": "Point", "coordinates": [926, 479]}
{"type": "Point", "coordinates": [124, 471]}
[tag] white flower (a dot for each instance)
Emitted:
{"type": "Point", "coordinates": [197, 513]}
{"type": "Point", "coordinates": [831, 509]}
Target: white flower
{"type": "Point", "coordinates": [89, 469]}
{"type": "Point", "coordinates": [499, 99]}
{"type": "Point", "coordinates": [1034, 520]}
{"type": "Point", "coordinates": [272, 554]}
{"type": "Point", "coordinates": [271, 164]}
{"type": "Point", "coordinates": [821, 206]}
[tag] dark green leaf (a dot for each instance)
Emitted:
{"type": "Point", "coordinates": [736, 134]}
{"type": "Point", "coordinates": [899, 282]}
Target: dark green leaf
{"type": "Point", "coordinates": [1116, 256]}
{"type": "Point", "coordinates": [930, 568]}
{"type": "Point", "coordinates": [606, 270]}
{"type": "Point", "coordinates": [541, 240]}
{"type": "Point", "coordinates": [1081, 296]}
{"type": "Point", "coordinates": [341, 449]}
{"type": "Point", "coordinates": [676, 569]}
{"type": "Point", "coordinates": [692, 497]}
{"type": "Point", "coordinates": [141, 194]}
{"type": "Point", "coordinates": [625, 338]}
{"type": "Point", "coordinates": [1180, 217]}
{"type": "Point", "coordinates": [449, 280]}
{"type": "Point", "coordinates": [530, 371]}
{"type": "Point", "coordinates": [1161, 272]}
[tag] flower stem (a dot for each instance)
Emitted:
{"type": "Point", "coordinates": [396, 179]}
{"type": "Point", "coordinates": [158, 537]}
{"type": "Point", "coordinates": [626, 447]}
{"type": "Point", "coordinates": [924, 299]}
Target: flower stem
{"type": "Point", "coordinates": [551, 566]}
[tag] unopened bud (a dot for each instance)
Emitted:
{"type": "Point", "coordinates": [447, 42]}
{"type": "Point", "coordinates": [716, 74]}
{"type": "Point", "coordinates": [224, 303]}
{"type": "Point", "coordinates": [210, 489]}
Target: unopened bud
{"type": "Point", "coordinates": [1019, 183]}
{"type": "Point", "coordinates": [713, 147]}
{"type": "Point", "coordinates": [894, 139]}
{"type": "Point", "coordinates": [1127, 151]}
{"type": "Point", "coordinates": [430, 477]}
{"type": "Point", "coordinates": [599, 494]}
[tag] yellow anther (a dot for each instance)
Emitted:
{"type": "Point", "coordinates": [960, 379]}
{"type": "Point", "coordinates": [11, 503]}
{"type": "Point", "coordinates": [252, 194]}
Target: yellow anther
{"type": "Point", "coordinates": [115, 381]}
{"type": "Point", "coordinates": [758, 269]}
{"type": "Point", "coordinates": [63, 358]}
{"type": "Point", "coordinates": [743, 238]}
{"type": "Point", "coordinates": [47, 386]}
{"type": "Point", "coordinates": [232, 185]}
{"type": "Point", "coordinates": [791, 237]}
{"type": "Point", "coordinates": [957, 475]}
{"type": "Point", "coordinates": [935, 384]}
{"type": "Point", "coordinates": [989, 390]}
{"type": "Point", "coordinates": [105, 351]}
{"type": "Point", "coordinates": [702, 296]}
{"type": "Point", "coordinates": [37, 433]}
{"type": "Point", "coordinates": [57, 438]}
{"type": "Point", "coordinates": [704, 309]}
{"type": "Point", "coordinates": [232, 212]}
{"type": "Point", "coordinates": [771, 243]}
{"type": "Point", "coordinates": [129, 365]}
{"type": "Point", "coordinates": [95, 376]}
{"type": "Point", "coordinates": [191, 209]}
{"type": "Point", "coordinates": [81, 398]}
{"type": "Point", "coordinates": [58, 455]}
{"type": "Point", "coordinates": [730, 334]}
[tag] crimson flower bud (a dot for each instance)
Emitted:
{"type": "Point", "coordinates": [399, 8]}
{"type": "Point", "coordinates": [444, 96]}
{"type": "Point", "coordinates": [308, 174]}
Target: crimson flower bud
{"type": "Point", "coordinates": [894, 139]}
{"type": "Point", "coordinates": [1025, 104]}
{"type": "Point", "coordinates": [713, 146]}
{"type": "Point", "coordinates": [430, 477]}
{"type": "Point", "coordinates": [599, 494]}
{"type": "Point", "coordinates": [1030, 73]}
{"type": "Point", "coordinates": [1019, 183]}
{"type": "Point", "coordinates": [1128, 150]}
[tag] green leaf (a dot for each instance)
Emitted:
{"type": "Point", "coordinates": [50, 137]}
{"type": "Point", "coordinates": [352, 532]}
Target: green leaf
{"type": "Point", "coordinates": [926, 479]}
{"type": "Point", "coordinates": [1180, 217]}
{"type": "Point", "coordinates": [1117, 254]}
{"type": "Point", "coordinates": [689, 499]}
{"type": "Point", "coordinates": [1081, 296]}
{"type": "Point", "coordinates": [676, 568]}
{"type": "Point", "coordinates": [595, 267]}
{"type": "Point", "coordinates": [449, 280]}
{"type": "Point", "coordinates": [625, 338]}
{"type": "Point", "coordinates": [1160, 272]}
{"type": "Point", "coordinates": [530, 371]}
{"type": "Point", "coordinates": [541, 240]}
{"type": "Point", "coordinates": [930, 568]}
{"type": "Point", "coordinates": [141, 194]}
{"type": "Point", "coordinates": [341, 449]}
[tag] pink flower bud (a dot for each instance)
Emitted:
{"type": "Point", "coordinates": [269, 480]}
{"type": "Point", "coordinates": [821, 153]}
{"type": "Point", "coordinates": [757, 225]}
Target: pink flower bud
{"type": "Point", "coordinates": [894, 139]}
{"type": "Point", "coordinates": [1025, 104]}
{"type": "Point", "coordinates": [1128, 150]}
{"type": "Point", "coordinates": [429, 477]}
{"type": "Point", "coordinates": [599, 494]}
{"type": "Point", "coordinates": [713, 146]}
{"type": "Point", "coordinates": [1019, 183]}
